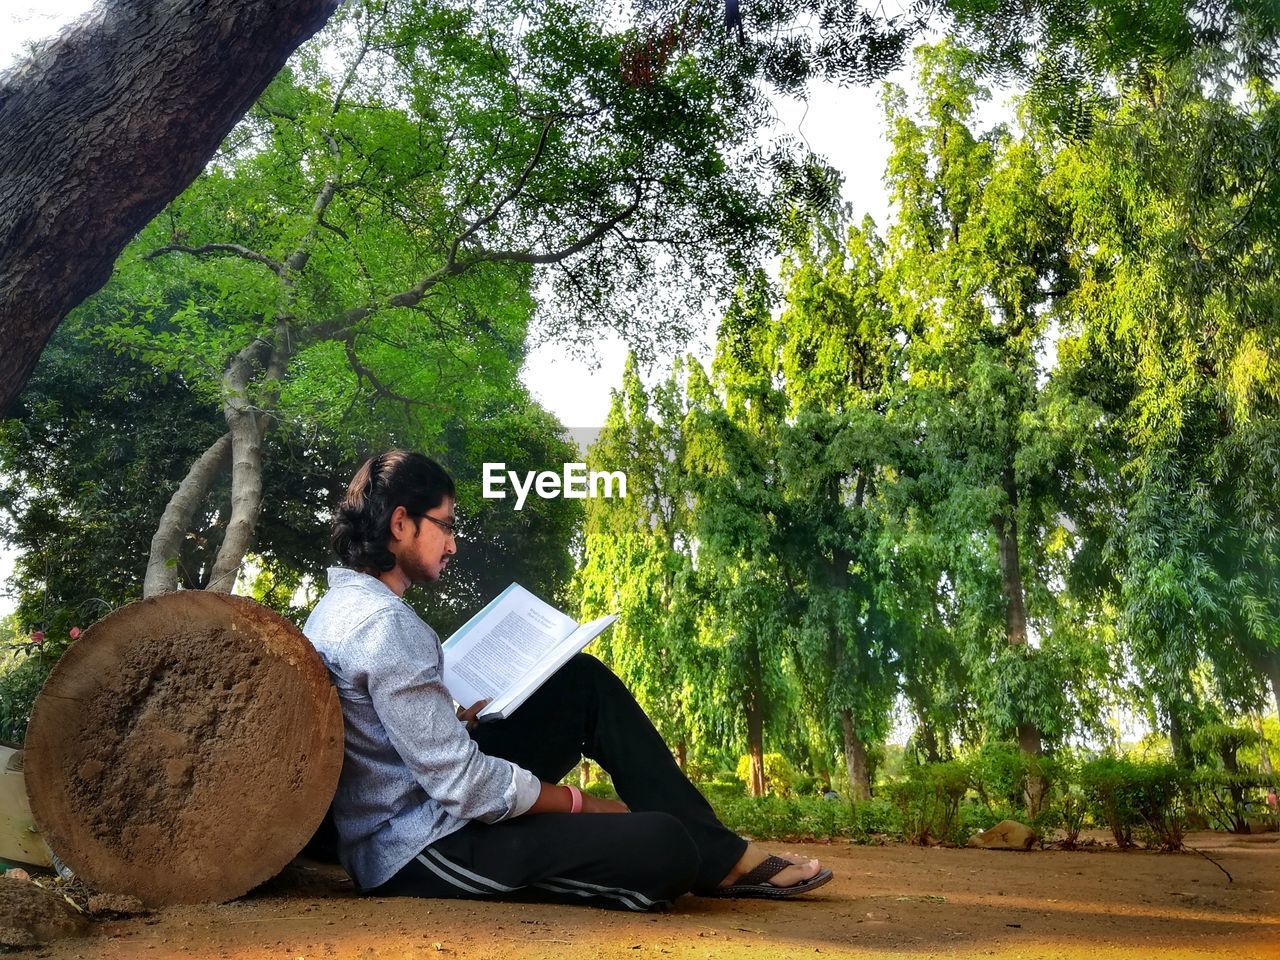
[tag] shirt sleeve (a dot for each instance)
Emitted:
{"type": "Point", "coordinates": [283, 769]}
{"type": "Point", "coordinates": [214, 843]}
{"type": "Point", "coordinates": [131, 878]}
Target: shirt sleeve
{"type": "Point", "coordinates": [408, 693]}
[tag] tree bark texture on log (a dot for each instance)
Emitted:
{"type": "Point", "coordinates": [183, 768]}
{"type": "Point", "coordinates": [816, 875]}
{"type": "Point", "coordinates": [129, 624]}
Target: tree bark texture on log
{"type": "Point", "coordinates": [104, 127]}
{"type": "Point", "coordinates": [184, 749]}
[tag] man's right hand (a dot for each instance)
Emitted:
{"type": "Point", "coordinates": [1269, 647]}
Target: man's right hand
{"type": "Point", "coordinates": [592, 804]}
{"type": "Point", "coordinates": [554, 798]}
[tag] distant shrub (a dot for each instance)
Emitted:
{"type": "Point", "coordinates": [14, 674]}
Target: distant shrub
{"type": "Point", "coordinates": [1107, 782]}
{"type": "Point", "coordinates": [780, 776]}
{"type": "Point", "coordinates": [1145, 796]}
{"type": "Point", "coordinates": [1222, 784]}
{"type": "Point", "coordinates": [721, 790]}
{"type": "Point", "coordinates": [974, 816]}
{"type": "Point", "coordinates": [1220, 796]}
{"type": "Point", "coordinates": [1161, 804]}
{"type": "Point", "coordinates": [928, 801]}
{"type": "Point", "coordinates": [786, 818]}
{"type": "Point", "coordinates": [601, 788]}
{"type": "Point", "coordinates": [875, 816]}
{"type": "Point", "coordinates": [1074, 809]}
{"type": "Point", "coordinates": [998, 771]}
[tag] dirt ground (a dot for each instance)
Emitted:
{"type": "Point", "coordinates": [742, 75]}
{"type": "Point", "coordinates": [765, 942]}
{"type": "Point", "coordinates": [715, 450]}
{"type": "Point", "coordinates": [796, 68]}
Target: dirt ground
{"type": "Point", "coordinates": [893, 901]}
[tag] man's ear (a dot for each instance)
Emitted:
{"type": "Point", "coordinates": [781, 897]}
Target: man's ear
{"type": "Point", "coordinates": [396, 526]}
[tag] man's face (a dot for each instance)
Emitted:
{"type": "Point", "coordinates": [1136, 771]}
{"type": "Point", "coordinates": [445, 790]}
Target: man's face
{"type": "Point", "coordinates": [423, 554]}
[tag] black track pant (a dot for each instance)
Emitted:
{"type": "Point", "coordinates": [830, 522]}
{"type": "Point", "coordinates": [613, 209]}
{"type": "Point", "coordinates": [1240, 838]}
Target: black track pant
{"type": "Point", "coordinates": [669, 844]}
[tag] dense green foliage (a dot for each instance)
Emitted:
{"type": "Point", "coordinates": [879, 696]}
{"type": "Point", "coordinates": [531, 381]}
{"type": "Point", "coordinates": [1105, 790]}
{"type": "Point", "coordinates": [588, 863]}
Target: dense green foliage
{"type": "Point", "coordinates": [1006, 466]}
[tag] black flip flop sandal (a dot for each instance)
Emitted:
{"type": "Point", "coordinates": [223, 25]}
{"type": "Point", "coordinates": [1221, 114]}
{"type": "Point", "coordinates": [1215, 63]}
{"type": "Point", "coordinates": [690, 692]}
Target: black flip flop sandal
{"type": "Point", "coordinates": [754, 883]}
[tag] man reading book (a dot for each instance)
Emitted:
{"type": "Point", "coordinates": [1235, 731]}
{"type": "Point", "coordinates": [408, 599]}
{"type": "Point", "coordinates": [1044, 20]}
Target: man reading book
{"type": "Point", "coordinates": [431, 804]}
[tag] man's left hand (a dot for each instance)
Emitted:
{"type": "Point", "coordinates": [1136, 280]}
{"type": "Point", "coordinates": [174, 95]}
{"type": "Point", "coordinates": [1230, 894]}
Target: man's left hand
{"type": "Point", "coordinates": [468, 716]}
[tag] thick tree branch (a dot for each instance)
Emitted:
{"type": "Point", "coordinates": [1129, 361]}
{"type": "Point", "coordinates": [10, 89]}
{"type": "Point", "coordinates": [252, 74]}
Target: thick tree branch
{"type": "Point", "coordinates": [106, 125]}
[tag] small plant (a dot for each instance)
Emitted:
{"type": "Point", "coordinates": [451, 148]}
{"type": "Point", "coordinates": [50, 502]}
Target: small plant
{"type": "Point", "coordinates": [999, 773]}
{"type": "Point", "coordinates": [1074, 809]}
{"type": "Point", "coordinates": [1160, 803]}
{"type": "Point", "coordinates": [25, 662]}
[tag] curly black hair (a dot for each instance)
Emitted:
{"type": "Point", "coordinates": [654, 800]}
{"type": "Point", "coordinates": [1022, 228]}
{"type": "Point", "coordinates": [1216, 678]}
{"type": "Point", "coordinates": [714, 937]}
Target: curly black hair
{"type": "Point", "coordinates": [362, 522]}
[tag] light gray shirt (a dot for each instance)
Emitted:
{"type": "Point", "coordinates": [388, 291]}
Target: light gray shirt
{"type": "Point", "coordinates": [410, 773]}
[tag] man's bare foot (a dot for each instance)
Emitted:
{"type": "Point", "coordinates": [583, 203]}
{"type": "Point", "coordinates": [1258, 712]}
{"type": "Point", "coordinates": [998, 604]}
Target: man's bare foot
{"type": "Point", "coordinates": [804, 868]}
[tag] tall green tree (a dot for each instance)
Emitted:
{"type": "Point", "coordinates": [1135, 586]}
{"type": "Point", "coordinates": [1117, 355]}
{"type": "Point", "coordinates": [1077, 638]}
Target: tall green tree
{"type": "Point", "coordinates": [1172, 209]}
{"type": "Point", "coordinates": [635, 562]}
{"type": "Point", "coordinates": [732, 468]}
{"type": "Point", "coordinates": [976, 264]}
{"type": "Point", "coordinates": [834, 356]}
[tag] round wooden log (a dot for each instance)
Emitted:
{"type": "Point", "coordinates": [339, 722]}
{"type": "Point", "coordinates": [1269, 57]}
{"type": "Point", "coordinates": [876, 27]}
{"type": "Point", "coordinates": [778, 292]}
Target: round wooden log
{"type": "Point", "coordinates": [184, 749]}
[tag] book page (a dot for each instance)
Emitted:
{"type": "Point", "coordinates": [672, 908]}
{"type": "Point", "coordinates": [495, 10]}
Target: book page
{"type": "Point", "coordinates": [517, 694]}
{"type": "Point", "coordinates": [501, 644]}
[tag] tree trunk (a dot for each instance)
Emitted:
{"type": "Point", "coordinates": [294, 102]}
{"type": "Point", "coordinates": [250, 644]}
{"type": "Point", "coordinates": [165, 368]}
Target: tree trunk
{"type": "Point", "coordinates": [755, 747]}
{"type": "Point", "coordinates": [584, 773]}
{"type": "Point", "coordinates": [855, 756]}
{"type": "Point", "coordinates": [248, 426]}
{"type": "Point", "coordinates": [1030, 744]}
{"type": "Point", "coordinates": [1273, 674]}
{"type": "Point", "coordinates": [927, 739]}
{"type": "Point", "coordinates": [1178, 739]}
{"type": "Point", "coordinates": [162, 566]}
{"type": "Point", "coordinates": [1264, 752]}
{"type": "Point", "coordinates": [104, 127]}
{"type": "Point", "coordinates": [1011, 572]}
{"type": "Point", "coordinates": [682, 754]}
{"type": "Point", "coordinates": [1006, 527]}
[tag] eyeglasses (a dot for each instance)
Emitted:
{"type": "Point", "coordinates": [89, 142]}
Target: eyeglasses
{"type": "Point", "coordinates": [450, 527]}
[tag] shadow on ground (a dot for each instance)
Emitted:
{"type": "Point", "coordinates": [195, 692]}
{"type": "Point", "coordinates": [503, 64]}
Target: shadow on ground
{"type": "Point", "coordinates": [886, 901]}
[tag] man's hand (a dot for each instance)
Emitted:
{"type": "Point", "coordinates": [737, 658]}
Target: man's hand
{"type": "Point", "coordinates": [554, 798]}
{"type": "Point", "coordinates": [468, 716]}
{"type": "Point", "coordinates": [592, 804]}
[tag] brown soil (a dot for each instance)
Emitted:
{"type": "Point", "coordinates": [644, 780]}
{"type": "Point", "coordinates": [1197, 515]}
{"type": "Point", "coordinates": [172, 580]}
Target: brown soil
{"type": "Point", "coordinates": [182, 750]}
{"type": "Point", "coordinates": [30, 915]}
{"type": "Point", "coordinates": [894, 901]}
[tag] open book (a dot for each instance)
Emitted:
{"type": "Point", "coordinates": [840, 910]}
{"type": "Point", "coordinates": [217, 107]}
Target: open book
{"type": "Point", "coordinates": [509, 649]}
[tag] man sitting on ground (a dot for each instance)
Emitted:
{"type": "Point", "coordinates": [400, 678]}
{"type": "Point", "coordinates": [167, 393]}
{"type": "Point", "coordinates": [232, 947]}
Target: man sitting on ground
{"type": "Point", "coordinates": [427, 807]}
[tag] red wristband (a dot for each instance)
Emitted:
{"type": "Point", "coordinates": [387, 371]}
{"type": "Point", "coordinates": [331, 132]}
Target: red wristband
{"type": "Point", "coordinates": [575, 799]}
